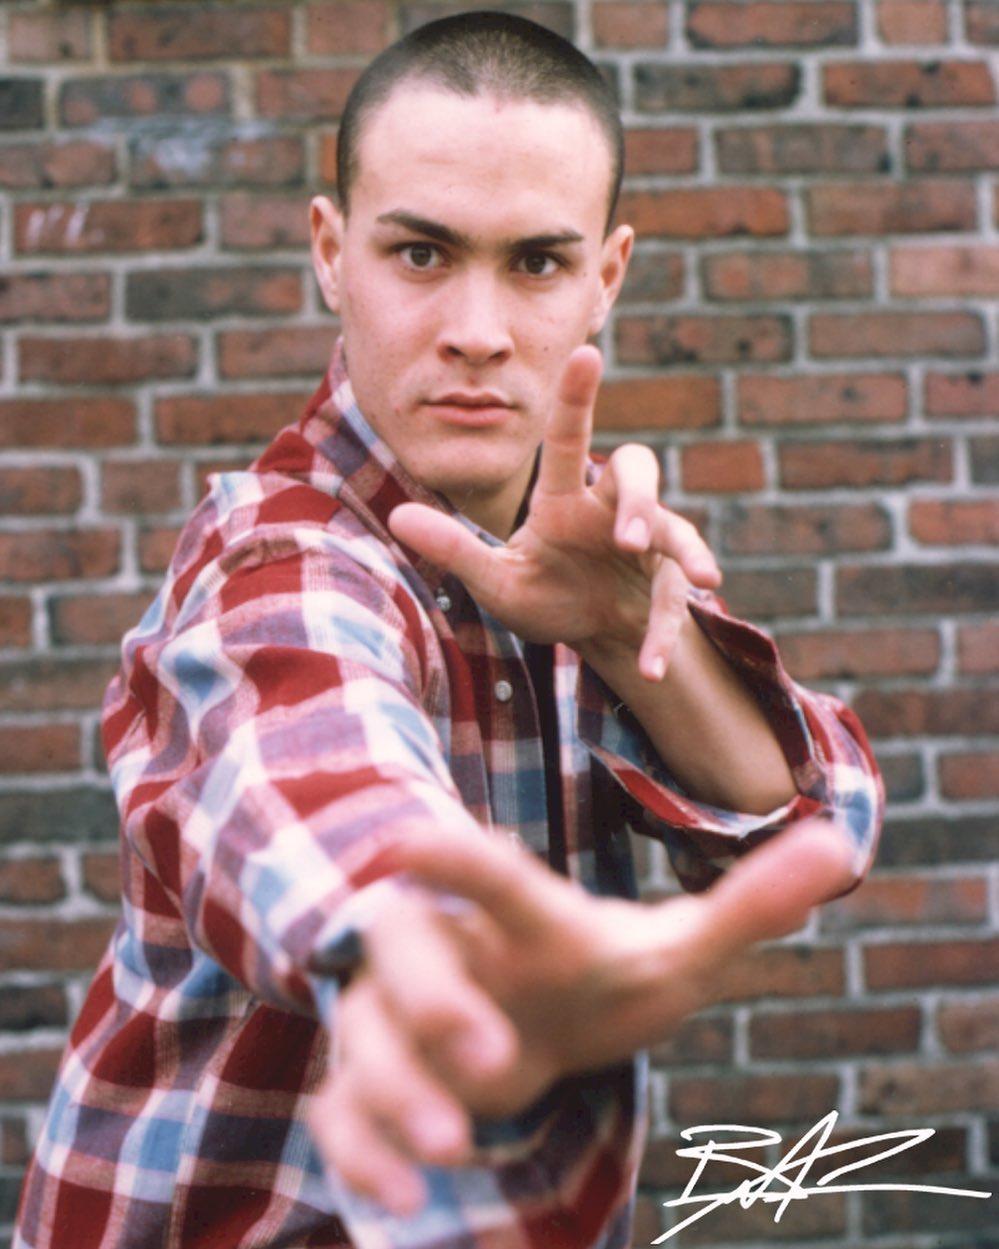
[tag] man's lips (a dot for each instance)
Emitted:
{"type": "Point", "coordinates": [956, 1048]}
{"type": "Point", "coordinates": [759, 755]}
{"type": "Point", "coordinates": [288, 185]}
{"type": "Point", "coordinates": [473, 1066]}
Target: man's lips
{"type": "Point", "coordinates": [474, 409]}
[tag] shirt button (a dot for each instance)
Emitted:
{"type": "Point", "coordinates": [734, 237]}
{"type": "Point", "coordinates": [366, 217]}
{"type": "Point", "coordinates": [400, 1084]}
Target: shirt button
{"type": "Point", "coordinates": [503, 691]}
{"type": "Point", "coordinates": [443, 600]}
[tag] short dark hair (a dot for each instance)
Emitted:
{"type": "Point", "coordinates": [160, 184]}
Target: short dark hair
{"type": "Point", "coordinates": [476, 53]}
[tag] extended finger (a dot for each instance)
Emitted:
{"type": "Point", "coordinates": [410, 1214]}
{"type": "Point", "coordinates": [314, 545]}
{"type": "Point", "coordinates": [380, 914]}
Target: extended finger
{"type": "Point", "coordinates": [675, 537]}
{"type": "Point", "coordinates": [446, 542]}
{"type": "Point", "coordinates": [667, 616]}
{"type": "Point", "coordinates": [566, 443]}
{"type": "Point", "coordinates": [632, 475]}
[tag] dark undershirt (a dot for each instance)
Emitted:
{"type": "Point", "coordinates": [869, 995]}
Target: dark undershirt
{"type": "Point", "coordinates": [540, 664]}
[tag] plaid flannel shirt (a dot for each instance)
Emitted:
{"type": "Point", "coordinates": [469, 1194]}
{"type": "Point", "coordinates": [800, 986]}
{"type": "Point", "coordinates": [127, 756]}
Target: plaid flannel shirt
{"type": "Point", "coordinates": [301, 682]}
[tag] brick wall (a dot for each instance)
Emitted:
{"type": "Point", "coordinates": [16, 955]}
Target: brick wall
{"type": "Point", "coordinates": [809, 335]}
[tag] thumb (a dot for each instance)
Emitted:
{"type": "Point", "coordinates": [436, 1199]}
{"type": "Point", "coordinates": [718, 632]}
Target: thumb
{"type": "Point", "coordinates": [446, 542]}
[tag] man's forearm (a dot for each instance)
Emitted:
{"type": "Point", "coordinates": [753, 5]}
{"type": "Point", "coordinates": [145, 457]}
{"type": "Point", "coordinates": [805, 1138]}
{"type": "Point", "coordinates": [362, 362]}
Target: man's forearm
{"type": "Point", "coordinates": [703, 722]}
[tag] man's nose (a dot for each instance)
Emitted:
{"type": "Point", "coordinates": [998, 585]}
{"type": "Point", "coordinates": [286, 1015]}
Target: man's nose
{"type": "Point", "coordinates": [476, 320]}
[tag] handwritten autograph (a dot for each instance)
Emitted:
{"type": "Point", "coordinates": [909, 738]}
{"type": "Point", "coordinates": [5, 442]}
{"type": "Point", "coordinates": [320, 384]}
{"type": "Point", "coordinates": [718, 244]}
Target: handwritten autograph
{"type": "Point", "coordinates": [792, 1169]}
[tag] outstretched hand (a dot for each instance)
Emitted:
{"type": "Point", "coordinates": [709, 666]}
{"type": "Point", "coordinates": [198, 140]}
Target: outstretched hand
{"type": "Point", "coordinates": [604, 564]}
{"type": "Point", "coordinates": [478, 1012]}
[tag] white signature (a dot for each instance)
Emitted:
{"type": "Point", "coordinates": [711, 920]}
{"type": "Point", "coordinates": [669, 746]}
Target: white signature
{"type": "Point", "coordinates": [792, 1168]}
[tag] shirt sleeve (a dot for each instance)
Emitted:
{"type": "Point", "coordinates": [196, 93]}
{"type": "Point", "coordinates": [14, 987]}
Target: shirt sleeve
{"type": "Point", "coordinates": [269, 741]}
{"type": "Point", "coordinates": [826, 748]}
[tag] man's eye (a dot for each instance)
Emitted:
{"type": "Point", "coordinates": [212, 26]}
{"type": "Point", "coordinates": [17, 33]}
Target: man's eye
{"type": "Point", "coordinates": [420, 254]}
{"type": "Point", "coordinates": [535, 263]}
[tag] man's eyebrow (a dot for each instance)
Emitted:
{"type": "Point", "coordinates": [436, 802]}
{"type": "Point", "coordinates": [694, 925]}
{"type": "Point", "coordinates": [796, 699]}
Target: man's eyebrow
{"type": "Point", "coordinates": [454, 238]}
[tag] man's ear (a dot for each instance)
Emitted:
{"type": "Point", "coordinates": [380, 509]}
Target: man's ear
{"type": "Point", "coordinates": [326, 222]}
{"type": "Point", "coordinates": [614, 257]}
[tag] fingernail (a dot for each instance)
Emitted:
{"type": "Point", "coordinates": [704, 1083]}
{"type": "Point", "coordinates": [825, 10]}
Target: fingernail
{"type": "Point", "coordinates": [437, 1132]}
{"type": "Point", "coordinates": [637, 532]}
{"type": "Point", "coordinates": [658, 667]}
{"type": "Point", "coordinates": [479, 1051]}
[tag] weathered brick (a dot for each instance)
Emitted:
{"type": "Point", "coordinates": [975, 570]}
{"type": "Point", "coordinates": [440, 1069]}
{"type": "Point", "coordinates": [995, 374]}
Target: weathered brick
{"type": "Point", "coordinates": [984, 454]}
{"type": "Point", "coordinates": [556, 15]}
{"type": "Point", "coordinates": [916, 1088]}
{"type": "Point", "coordinates": [58, 554]}
{"type": "Point", "coordinates": [890, 901]}
{"type": "Point", "coordinates": [156, 546]}
{"type": "Point", "coordinates": [14, 1149]}
{"type": "Point", "coordinates": [659, 403]}
{"type": "Point", "coordinates": [88, 101]}
{"type": "Point", "coordinates": [88, 422]}
{"type": "Point", "coordinates": [263, 222]}
{"type": "Point", "coordinates": [192, 33]}
{"type": "Point", "coordinates": [350, 26]}
{"type": "Point", "coordinates": [38, 491]}
{"type": "Point", "coordinates": [39, 747]}
{"type": "Point", "coordinates": [928, 841]}
{"type": "Point", "coordinates": [821, 399]}
{"type": "Point", "coordinates": [107, 226]}
{"type": "Point", "coordinates": [26, 881]}
{"type": "Point", "coordinates": [846, 208]}
{"type": "Point", "coordinates": [915, 711]}
{"type": "Point", "coordinates": [702, 340]}
{"type": "Point", "coordinates": [102, 876]}
{"type": "Point", "coordinates": [73, 814]}
{"type": "Point", "coordinates": [710, 212]}
{"type": "Point", "coordinates": [211, 291]}
{"type": "Point", "coordinates": [903, 589]}
{"type": "Point", "coordinates": [920, 964]}
{"type": "Point", "coordinates": [765, 594]}
{"type": "Point", "coordinates": [53, 684]}
{"type": "Point", "coordinates": [27, 1074]}
{"type": "Point", "coordinates": [965, 1026]}
{"type": "Point", "coordinates": [15, 620]}
{"type": "Point", "coordinates": [22, 104]}
{"type": "Point", "coordinates": [771, 23]}
{"type": "Point", "coordinates": [782, 971]}
{"type": "Point", "coordinates": [630, 25]}
{"type": "Point", "coordinates": [952, 146]}
{"type": "Point", "coordinates": [216, 159]}
{"type": "Point", "coordinates": [833, 1033]}
{"type": "Point", "coordinates": [123, 361]}
{"type": "Point", "coordinates": [722, 466]}
{"type": "Point", "coordinates": [954, 522]}
{"type": "Point", "coordinates": [140, 486]}
{"type": "Point", "coordinates": [663, 149]}
{"type": "Point", "coordinates": [981, 21]}
{"type": "Point", "coordinates": [714, 88]}
{"type": "Point", "coordinates": [206, 420]}
{"type": "Point", "coordinates": [788, 275]}
{"type": "Point", "coordinates": [962, 394]}
{"type": "Point", "coordinates": [910, 334]}
{"type": "Point", "coordinates": [969, 774]}
{"type": "Point", "coordinates": [912, 21]}
{"type": "Point", "coordinates": [914, 1214]}
{"type": "Point", "coordinates": [23, 1007]}
{"type": "Point", "coordinates": [94, 619]}
{"type": "Point", "coordinates": [908, 84]}
{"type": "Point", "coordinates": [813, 529]}
{"type": "Point", "coordinates": [903, 777]}
{"type": "Point", "coordinates": [699, 1039]}
{"type": "Point", "coordinates": [827, 654]}
{"type": "Point", "coordinates": [304, 95]}
{"type": "Point", "coordinates": [52, 36]}
{"type": "Point", "coordinates": [274, 351]}
{"type": "Point", "coordinates": [751, 1098]}
{"type": "Point", "coordinates": [26, 166]}
{"type": "Point", "coordinates": [978, 647]}
{"type": "Point", "coordinates": [653, 276]}
{"type": "Point", "coordinates": [803, 147]}
{"type": "Point", "coordinates": [930, 271]}
{"type": "Point", "coordinates": [55, 297]}
{"type": "Point", "coordinates": [31, 944]}
{"type": "Point", "coordinates": [851, 462]}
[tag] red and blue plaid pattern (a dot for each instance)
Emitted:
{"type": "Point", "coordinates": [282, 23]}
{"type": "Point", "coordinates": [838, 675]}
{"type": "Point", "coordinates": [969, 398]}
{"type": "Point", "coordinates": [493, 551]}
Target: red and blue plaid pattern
{"type": "Point", "coordinates": [301, 684]}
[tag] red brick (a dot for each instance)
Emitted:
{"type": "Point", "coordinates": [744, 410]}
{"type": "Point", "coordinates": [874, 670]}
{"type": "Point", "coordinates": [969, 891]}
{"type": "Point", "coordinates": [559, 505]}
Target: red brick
{"type": "Point", "coordinates": [304, 95]}
{"type": "Point", "coordinates": [751, 1098]}
{"type": "Point", "coordinates": [802, 1222]}
{"type": "Point", "coordinates": [102, 421]}
{"type": "Point", "coordinates": [722, 466]}
{"type": "Point", "coordinates": [350, 26]}
{"type": "Point", "coordinates": [653, 277]}
{"type": "Point", "coordinates": [766, 594]}
{"type": "Point", "coordinates": [647, 1224]}
{"type": "Point", "coordinates": [922, 271]}
{"type": "Point", "coordinates": [782, 971]}
{"type": "Point", "coordinates": [228, 464]}
{"type": "Point", "coordinates": [132, 225]}
{"type": "Point", "coordinates": [891, 208]}
{"type": "Point", "coordinates": [962, 394]}
{"type": "Point", "coordinates": [952, 146]}
{"type": "Point", "coordinates": [890, 901]}
{"type": "Point", "coordinates": [630, 25]}
{"type": "Point", "coordinates": [34, 38]}
{"type": "Point", "coordinates": [107, 361]}
{"type": "Point", "coordinates": [192, 33]}
{"type": "Point", "coordinates": [14, 1148]}
{"type": "Point", "coordinates": [788, 275]}
{"type": "Point", "coordinates": [903, 589]}
{"type": "Point", "coordinates": [771, 23]}
{"type": "Point", "coordinates": [54, 685]}
{"type": "Point", "coordinates": [28, 1074]}
{"type": "Point", "coordinates": [954, 522]}
{"type": "Point", "coordinates": [850, 462]}
{"type": "Point", "coordinates": [965, 1026]}
{"type": "Point", "coordinates": [30, 944]}
{"type": "Point", "coordinates": [714, 88]}
{"type": "Point", "coordinates": [263, 222]}
{"type": "Point", "coordinates": [274, 352]}
{"type": "Point", "coordinates": [204, 292]}
{"type": "Point", "coordinates": [803, 147]}
{"type": "Point", "coordinates": [912, 21]}
{"type": "Point", "coordinates": [920, 964]}
{"type": "Point", "coordinates": [140, 486]}
{"type": "Point", "coordinates": [908, 84]}
{"type": "Point", "coordinates": [709, 212]}
{"type": "Point", "coordinates": [99, 99]}
{"type": "Point", "coordinates": [206, 420]}
{"type": "Point", "coordinates": [813, 529]}
{"type": "Point", "coordinates": [71, 163]}
{"type": "Point", "coordinates": [26, 881]}
{"type": "Point", "coordinates": [660, 150]}
{"type": "Point", "coordinates": [39, 748]}
{"type": "Point", "coordinates": [981, 21]}
{"type": "Point", "coordinates": [218, 160]}
{"type": "Point", "coordinates": [827, 654]}
{"type": "Point", "coordinates": [55, 297]}
{"type": "Point", "coordinates": [39, 490]}
{"type": "Point", "coordinates": [156, 547]}
{"type": "Point", "coordinates": [917, 1088]}
{"type": "Point", "coordinates": [58, 554]}
{"type": "Point", "coordinates": [102, 876]}
{"type": "Point", "coordinates": [820, 399]}
{"type": "Point", "coordinates": [833, 1033]}
{"type": "Point", "coordinates": [910, 334]}
{"type": "Point", "coordinates": [971, 774]}
{"type": "Point", "coordinates": [978, 647]}
{"type": "Point", "coordinates": [15, 620]}
{"type": "Point", "coordinates": [914, 711]}
{"type": "Point", "coordinates": [659, 403]}
{"type": "Point", "coordinates": [702, 340]}
{"type": "Point", "coordinates": [24, 1007]}
{"type": "Point", "coordinates": [699, 1039]}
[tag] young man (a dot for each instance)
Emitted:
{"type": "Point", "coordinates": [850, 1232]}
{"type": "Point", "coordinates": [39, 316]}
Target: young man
{"type": "Point", "coordinates": [339, 1008]}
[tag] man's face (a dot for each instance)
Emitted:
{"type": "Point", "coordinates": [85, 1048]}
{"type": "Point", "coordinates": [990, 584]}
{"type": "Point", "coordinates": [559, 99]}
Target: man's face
{"type": "Point", "coordinates": [440, 295]}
